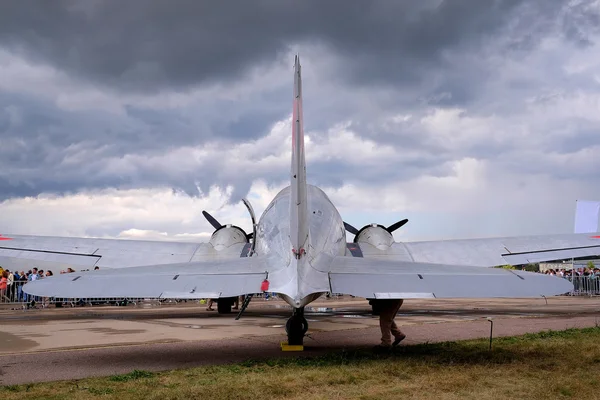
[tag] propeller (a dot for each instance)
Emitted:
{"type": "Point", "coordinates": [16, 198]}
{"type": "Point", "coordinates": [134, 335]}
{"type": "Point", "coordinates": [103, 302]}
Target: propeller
{"type": "Point", "coordinates": [397, 225]}
{"type": "Point", "coordinates": [212, 220]}
{"type": "Point", "coordinates": [350, 228]}
{"type": "Point", "coordinates": [390, 228]}
{"type": "Point", "coordinates": [217, 225]}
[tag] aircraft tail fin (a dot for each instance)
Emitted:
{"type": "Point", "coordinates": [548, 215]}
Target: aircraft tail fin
{"type": "Point", "coordinates": [298, 201]}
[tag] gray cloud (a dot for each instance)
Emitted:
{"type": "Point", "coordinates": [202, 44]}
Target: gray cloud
{"type": "Point", "coordinates": [140, 45]}
{"type": "Point", "coordinates": [371, 61]}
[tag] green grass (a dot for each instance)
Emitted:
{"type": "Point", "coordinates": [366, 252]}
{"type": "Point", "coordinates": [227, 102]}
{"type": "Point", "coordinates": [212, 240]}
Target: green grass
{"type": "Point", "coordinates": [546, 365]}
{"type": "Point", "coordinates": [133, 375]}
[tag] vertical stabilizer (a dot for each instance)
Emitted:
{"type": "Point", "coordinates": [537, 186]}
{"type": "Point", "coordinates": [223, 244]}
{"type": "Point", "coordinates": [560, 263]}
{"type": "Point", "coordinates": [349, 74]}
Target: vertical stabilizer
{"type": "Point", "coordinates": [298, 203]}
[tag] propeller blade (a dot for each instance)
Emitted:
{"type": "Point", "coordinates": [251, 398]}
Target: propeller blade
{"type": "Point", "coordinates": [211, 220]}
{"type": "Point", "coordinates": [397, 225]}
{"type": "Point", "coordinates": [350, 228]}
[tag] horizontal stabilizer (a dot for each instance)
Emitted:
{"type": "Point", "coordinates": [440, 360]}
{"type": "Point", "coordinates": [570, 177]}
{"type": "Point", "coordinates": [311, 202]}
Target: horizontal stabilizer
{"type": "Point", "coordinates": [181, 281]}
{"type": "Point", "coordinates": [372, 278]}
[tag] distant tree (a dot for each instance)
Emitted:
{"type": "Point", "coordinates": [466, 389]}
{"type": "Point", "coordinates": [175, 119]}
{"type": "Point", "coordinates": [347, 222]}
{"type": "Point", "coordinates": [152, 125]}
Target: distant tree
{"type": "Point", "coordinates": [507, 266]}
{"type": "Point", "coordinates": [532, 267]}
{"type": "Point", "coordinates": [591, 265]}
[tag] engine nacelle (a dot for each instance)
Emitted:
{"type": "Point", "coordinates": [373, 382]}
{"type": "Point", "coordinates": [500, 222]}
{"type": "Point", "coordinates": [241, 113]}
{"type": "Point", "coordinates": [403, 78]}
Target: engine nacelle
{"type": "Point", "coordinates": [227, 236]}
{"type": "Point", "coordinates": [375, 235]}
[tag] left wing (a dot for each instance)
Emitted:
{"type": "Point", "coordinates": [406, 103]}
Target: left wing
{"type": "Point", "coordinates": [194, 280]}
{"type": "Point", "coordinates": [405, 280]}
{"type": "Point", "coordinates": [51, 252]}
{"type": "Point", "coordinates": [489, 252]}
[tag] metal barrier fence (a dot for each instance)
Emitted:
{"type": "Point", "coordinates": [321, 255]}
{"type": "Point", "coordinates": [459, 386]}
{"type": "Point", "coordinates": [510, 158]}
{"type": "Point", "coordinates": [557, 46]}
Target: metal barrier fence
{"type": "Point", "coordinates": [585, 285]}
{"type": "Point", "coordinates": [13, 293]}
{"type": "Point", "coordinates": [15, 296]}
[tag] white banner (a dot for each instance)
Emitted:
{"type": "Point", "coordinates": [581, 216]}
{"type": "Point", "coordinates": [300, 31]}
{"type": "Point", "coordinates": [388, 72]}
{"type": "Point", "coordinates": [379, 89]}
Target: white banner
{"type": "Point", "coordinates": [586, 216]}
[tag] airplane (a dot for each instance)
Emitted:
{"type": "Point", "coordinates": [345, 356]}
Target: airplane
{"type": "Point", "coordinates": [298, 250]}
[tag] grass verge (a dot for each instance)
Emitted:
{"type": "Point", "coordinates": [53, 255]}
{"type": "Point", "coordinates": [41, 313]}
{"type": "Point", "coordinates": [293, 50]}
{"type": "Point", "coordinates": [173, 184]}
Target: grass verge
{"type": "Point", "coordinates": [547, 365]}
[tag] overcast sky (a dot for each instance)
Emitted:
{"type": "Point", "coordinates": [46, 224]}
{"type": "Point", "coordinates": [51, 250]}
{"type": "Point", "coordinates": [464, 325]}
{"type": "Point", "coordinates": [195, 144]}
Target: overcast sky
{"type": "Point", "coordinates": [127, 119]}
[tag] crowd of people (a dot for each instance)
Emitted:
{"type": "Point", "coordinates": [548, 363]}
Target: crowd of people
{"type": "Point", "coordinates": [11, 283]}
{"type": "Point", "coordinates": [565, 273]}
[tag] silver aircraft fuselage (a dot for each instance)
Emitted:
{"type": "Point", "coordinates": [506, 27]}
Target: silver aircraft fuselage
{"type": "Point", "coordinates": [300, 280]}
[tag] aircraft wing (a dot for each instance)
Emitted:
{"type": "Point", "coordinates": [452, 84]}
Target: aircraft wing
{"type": "Point", "coordinates": [195, 280]}
{"type": "Point", "coordinates": [491, 252]}
{"type": "Point", "coordinates": [87, 253]}
{"type": "Point", "coordinates": [372, 278]}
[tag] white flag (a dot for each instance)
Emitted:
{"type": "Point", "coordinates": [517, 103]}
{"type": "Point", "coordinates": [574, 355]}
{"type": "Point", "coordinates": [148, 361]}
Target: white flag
{"type": "Point", "coordinates": [586, 216]}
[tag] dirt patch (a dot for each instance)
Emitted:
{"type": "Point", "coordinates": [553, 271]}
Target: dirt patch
{"type": "Point", "coordinates": [10, 343]}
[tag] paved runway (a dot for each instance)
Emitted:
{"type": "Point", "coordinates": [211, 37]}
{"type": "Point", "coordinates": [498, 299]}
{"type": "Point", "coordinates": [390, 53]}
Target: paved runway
{"type": "Point", "coordinates": [56, 344]}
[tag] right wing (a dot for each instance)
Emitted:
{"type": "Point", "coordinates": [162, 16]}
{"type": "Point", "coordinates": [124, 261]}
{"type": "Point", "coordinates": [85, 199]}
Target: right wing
{"type": "Point", "coordinates": [196, 280]}
{"type": "Point", "coordinates": [61, 252]}
{"type": "Point", "coordinates": [372, 278]}
{"type": "Point", "coordinates": [490, 252]}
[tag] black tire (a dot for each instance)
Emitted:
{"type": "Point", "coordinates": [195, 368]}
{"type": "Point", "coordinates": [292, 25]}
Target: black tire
{"type": "Point", "coordinates": [374, 307]}
{"type": "Point", "coordinates": [300, 324]}
{"type": "Point", "coordinates": [224, 305]}
{"type": "Point", "coordinates": [296, 327]}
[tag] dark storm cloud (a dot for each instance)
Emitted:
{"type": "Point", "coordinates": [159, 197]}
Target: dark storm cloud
{"type": "Point", "coordinates": [142, 45]}
{"type": "Point", "coordinates": [433, 51]}
{"type": "Point", "coordinates": [582, 21]}
{"type": "Point", "coordinates": [46, 149]}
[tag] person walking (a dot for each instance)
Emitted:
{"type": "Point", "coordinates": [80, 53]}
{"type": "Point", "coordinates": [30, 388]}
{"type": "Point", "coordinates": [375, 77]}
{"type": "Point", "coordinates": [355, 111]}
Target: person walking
{"type": "Point", "coordinates": [388, 308]}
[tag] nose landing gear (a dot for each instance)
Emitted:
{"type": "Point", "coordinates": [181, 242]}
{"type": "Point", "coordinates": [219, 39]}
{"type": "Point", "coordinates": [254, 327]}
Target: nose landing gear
{"type": "Point", "coordinates": [296, 327]}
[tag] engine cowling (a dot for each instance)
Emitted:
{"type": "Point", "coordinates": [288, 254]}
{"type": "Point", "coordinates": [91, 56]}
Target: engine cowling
{"type": "Point", "coordinates": [376, 235]}
{"type": "Point", "coordinates": [227, 236]}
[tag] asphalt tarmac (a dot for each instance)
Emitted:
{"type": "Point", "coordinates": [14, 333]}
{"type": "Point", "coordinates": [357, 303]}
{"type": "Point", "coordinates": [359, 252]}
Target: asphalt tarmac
{"type": "Point", "coordinates": [73, 343]}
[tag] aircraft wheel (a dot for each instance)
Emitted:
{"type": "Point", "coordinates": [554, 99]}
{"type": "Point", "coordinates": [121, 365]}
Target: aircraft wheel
{"type": "Point", "coordinates": [224, 305]}
{"type": "Point", "coordinates": [374, 307]}
{"type": "Point", "coordinates": [296, 327]}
